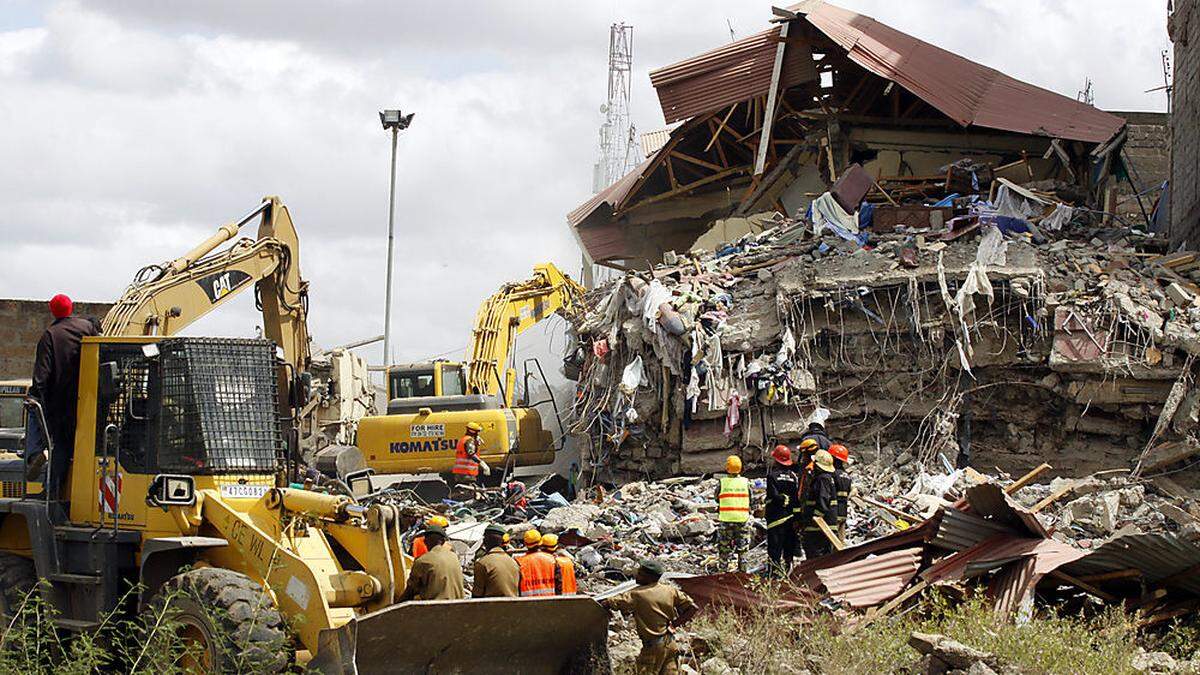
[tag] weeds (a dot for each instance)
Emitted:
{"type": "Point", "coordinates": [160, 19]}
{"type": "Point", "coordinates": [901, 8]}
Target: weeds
{"type": "Point", "coordinates": [767, 640]}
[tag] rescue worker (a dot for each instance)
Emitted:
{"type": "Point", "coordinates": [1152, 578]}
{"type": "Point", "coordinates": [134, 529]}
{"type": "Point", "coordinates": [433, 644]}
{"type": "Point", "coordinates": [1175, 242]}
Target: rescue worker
{"type": "Point", "coordinates": [804, 473]}
{"type": "Point", "coordinates": [467, 463]}
{"type": "Point", "coordinates": [733, 514]}
{"type": "Point", "coordinates": [56, 387]}
{"type": "Point", "coordinates": [497, 575]}
{"type": "Point", "coordinates": [821, 501]}
{"type": "Point", "coordinates": [816, 431]}
{"type": "Point", "coordinates": [540, 575]}
{"type": "Point", "coordinates": [437, 575]}
{"type": "Point", "coordinates": [843, 482]}
{"type": "Point", "coordinates": [419, 547]}
{"type": "Point", "coordinates": [656, 609]}
{"type": "Point", "coordinates": [783, 490]}
{"type": "Point", "coordinates": [565, 582]}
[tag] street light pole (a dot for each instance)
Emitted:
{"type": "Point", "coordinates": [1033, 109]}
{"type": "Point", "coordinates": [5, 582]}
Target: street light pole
{"type": "Point", "coordinates": [394, 121]}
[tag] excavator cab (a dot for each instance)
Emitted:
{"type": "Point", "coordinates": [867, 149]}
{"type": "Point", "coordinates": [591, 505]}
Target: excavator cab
{"type": "Point", "coordinates": [12, 415]}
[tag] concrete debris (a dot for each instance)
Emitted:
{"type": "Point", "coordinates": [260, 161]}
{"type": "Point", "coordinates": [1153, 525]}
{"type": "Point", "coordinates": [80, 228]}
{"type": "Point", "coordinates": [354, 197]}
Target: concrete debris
{"type": "Point", "coordinates": [999, 345]}
{"type": "Point", "coordinates": [949, 655]}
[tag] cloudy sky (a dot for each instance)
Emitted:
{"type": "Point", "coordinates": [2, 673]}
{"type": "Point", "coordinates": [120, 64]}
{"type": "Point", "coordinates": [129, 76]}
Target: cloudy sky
{"type": "Point", "coordinates": [130, 130]}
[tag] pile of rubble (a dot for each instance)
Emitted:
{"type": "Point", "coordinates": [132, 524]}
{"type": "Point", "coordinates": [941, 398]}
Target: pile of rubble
{"type": "Point", "coordinates": [996, 330]}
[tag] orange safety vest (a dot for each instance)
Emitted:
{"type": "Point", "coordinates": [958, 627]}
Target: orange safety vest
{"type": "Point", "coordinates": [419, 547]}
{"type": "Point", "coordinates": [537, 574]}
{"type": "Point", "coordinates": [463, 464]}
{"type": "Point", "coordinates": [567, 568]}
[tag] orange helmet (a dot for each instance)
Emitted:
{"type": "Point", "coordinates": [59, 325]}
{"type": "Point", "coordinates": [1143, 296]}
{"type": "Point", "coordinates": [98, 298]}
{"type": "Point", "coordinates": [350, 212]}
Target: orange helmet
{"type": "Point", "coordinates": [840, 452]}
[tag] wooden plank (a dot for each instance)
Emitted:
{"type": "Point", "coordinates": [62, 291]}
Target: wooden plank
{"type": "Point", "coordinates": [889, 509]}
{"type": "Point", "coordinates": [671, 172]}
{"type": "Point", "coordinates": [1053, 496]}
{"type": "Point", "coordinates": [1111, 576]}
{"type": "Point", "coordinates": [1027, 478]}
{"type": "Point", "coordinates": [769, 108]}
{"type": "Point", "coordinates": [900, 599]}
{"type": "Point", "coordinates": [1083, 585]}
{"type": "Point", "coordinates": [720, 127]}
{"type": "Point", "coordinates": [829, 533]}
{"type": "Point", "coordinates": [698, 162]}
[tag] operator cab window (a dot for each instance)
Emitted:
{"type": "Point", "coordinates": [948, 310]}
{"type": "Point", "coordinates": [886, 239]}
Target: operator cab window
{"type": "Point", "coordinates": [452, 381]}
{"type": "Point", "coordinates": [12, 412]}
{"type": "Point", "coordinates": [408, 385]}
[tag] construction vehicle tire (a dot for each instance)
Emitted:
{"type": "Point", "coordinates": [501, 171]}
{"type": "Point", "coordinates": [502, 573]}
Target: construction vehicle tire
{"type": "Point", "coordinates": [18, 577]}
{"type": "Point", "coordinates": [227, 622]}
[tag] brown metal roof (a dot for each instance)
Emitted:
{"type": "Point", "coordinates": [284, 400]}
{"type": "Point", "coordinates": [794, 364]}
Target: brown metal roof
{"type": "Point", "coordinates": [959, 530]}
{"type": "Point", "coordinates": [1000, 550]}
{"type": "Point", "coordinates": [991, 502]}
{"type": "Point", "coordinates": [720, 77]}
{"type": "Point", "coordinates": [873, 580]}
{"type": "Point", "coordinates": [965, 91]}
{"type": "Point", "coordinates": [1158, 556]}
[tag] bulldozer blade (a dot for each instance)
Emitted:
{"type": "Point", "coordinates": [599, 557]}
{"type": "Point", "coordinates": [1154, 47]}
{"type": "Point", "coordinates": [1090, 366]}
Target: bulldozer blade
{"type": "Point", "coordinates": [548, 636]}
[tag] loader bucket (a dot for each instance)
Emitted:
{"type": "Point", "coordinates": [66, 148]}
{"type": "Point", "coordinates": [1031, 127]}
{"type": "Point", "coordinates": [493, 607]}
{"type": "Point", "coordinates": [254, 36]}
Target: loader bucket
{"type": "Point", "coordinates": [491, 635]}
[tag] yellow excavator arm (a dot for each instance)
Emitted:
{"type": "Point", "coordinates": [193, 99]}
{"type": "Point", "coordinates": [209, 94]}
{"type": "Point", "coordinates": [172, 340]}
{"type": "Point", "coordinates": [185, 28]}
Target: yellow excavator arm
{"type": "Point", "coordinates": [512, 310]}
{"type": "Point", "coordinates": [164, 299]}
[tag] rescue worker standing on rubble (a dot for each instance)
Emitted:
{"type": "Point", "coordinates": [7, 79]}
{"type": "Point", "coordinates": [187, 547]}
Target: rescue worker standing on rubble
{"type": "Point", "coordinates": [843, 482]}
{"type": "Point", "coordinates": [783, 490]}
{"type": "Point", "coordinates": [821, 502]}
{"type": "Point", "coordinates": [437, 575]}
{"type": "Point", "coordinates": [497, 575]}
{"type": "Point", "coordinates": [804, 475]}
{"type": "Point", "coordinates": [565, 582]}
{"type": "Point", "coordinates": [467, 463]}
{"type": "Point", "coordinates": [540, 575]}
{"type": "Point", "coordinates": [419, 547]}
{"type": "Point", "coordinates": [656, 609]}
{"type": "Point", "coordinates": [733, 515]}
{"type": "Point", "coordinates": [816, 432]}
{"type": "Point", "coordinates": [56, 387]}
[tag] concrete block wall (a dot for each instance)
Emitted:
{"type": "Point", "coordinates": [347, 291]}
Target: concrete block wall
{"type": "Point", "coordinates": [1148, 148]}
{"type": "Point", "coordinates": [21, 325]}
{"type": "Point", "coordinates": [1184, 27]}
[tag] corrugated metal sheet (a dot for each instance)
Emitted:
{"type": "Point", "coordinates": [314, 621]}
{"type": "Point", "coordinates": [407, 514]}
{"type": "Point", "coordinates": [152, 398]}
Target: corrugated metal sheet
{"type": "Point", "coordinates": [873, 580]}
{"type": "Point", "coordinates": [963, 90]}
{"type": "Point", "coordinates": [735, 72]}
{"type": "Point", "coordinates": [1158, 556]}
{"type": "Point", "coordinates": [733, 590]}
{"type": "Point", "coordinates": [805, 574]}
{"type": "Point", "coordinates": [1000, 550]}
{"type": "Point", "coordinates": [990, 501]}
{"type": "Point", "coordinates": [1013, 586]}
{"type": "Point", "coordinates": [959, 530]}
{"type": "Point", "coordinates": [653, 140]}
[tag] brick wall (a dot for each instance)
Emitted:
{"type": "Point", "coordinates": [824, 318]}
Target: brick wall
{"type": "Point", "coordinates": [21, 325]}
{"type": "Point", "coordinates": [1148, 149]}
{"type": "Point", "coordinates": [1184, 26]}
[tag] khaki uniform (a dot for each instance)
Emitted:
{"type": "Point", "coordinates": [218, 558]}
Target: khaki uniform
{"type": "Point", "coordinates": [497, 575]}
{"type": "Point", "coordinates": [437, 575]}
{"type": "Point", "coordinates": [654, 607]}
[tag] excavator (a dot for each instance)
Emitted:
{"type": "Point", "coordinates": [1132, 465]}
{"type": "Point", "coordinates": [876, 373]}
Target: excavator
{"type": "Point", "coordinates": [430, 404]}
{"type": "Point", "coordinates": [181, 486]}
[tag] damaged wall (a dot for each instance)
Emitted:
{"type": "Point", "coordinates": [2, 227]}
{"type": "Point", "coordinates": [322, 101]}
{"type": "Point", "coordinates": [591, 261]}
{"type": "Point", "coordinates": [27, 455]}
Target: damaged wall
{"type": "Point", "coordinates": [1184, 29]}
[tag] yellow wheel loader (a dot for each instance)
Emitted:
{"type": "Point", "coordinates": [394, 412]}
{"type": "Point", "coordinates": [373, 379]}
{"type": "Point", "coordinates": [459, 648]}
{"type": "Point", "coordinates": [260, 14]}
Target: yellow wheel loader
{"type": "Point", "coordinates": [430, 404]}
{"type": "Point", "coordinates": [179, 487]}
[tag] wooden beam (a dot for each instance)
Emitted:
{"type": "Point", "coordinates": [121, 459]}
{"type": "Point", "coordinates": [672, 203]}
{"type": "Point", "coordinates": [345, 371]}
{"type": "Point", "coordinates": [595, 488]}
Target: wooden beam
{"type": "Point", "coordinates": [671, 172]}
{"type": "Point", "coordinates": [719, 128]}
{"type": "Point", "coordinates": [1053, 496]}
{"type": "Point", "coordinates": [719, 144]}
{"type": "Point", "coordinates": [686, 188]}
{"type": "Point", "coordinates": [769, 108]}
{"type": "Point", "coordinates": [1027, 478]}
{"type": "Point", "coordinates": [698, 162]}
{"type": "Point", "coordinates": [912, 107]}
{"type": "Point", "coordinates": [1112, 576]}
{"type": "Point", "coordinates": [833, 538]}
{"type": "Point", "coordinates": [1083, 585]}
{"type": "Point", "coordinates": [854, 92]}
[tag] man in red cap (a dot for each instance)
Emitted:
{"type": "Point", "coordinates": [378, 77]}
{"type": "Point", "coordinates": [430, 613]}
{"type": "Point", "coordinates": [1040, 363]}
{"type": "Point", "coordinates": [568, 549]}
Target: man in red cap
{"type": "Point", "coordinates": [56, 385]}
{"type": "Point", "coordinates": [783, 486]}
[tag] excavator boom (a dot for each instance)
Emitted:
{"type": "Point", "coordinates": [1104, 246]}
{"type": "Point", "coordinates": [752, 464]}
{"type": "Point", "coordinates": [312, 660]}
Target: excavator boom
{"type": "Point", "coordinates": [165, 299]}
{"type": "Point", "coordinates": [512, 310]}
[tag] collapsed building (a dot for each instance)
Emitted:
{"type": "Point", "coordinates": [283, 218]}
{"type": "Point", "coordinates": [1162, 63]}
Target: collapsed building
{"type": "Point", "coordinates": [851, 222]}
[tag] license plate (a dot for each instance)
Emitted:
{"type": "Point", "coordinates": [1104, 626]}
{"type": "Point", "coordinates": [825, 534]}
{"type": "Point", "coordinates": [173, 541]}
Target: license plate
{"type": "Point", "coordinates": [244, 491]}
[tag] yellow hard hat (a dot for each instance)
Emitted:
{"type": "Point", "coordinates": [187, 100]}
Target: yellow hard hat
{"type": "Point", "coordinates": [733, 464]}
{"type": "Point", "coordinates": [550, 541]}
{"type": "Point", "coordinates": [440, 521]}
{"type": "Point", "coordinates": [474, 426]}
{"type": "Point", "coordinates": [809, 444]}
{"type": "Point", "coordinates": [823, 460]}
{"type": "Point", "coordinates": [532, 538]}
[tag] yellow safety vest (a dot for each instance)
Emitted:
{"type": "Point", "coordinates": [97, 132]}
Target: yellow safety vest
{"type": "Point", "coordinates": [733, 502]}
